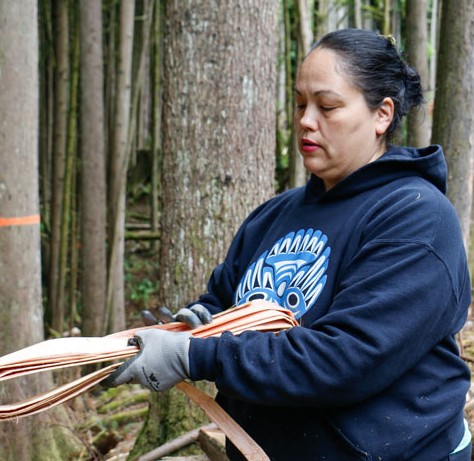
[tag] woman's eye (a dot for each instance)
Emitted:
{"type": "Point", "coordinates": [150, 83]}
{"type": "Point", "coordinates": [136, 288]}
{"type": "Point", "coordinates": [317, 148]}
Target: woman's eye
{"type": "Point", "coordinates": [327, 108]}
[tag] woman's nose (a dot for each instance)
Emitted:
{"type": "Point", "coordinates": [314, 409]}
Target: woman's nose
{"type": "Point", "coordinates": [309, 120]}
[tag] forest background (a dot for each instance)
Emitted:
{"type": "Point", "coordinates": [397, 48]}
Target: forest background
{"type": "Point", "coordinates": [136, 135]}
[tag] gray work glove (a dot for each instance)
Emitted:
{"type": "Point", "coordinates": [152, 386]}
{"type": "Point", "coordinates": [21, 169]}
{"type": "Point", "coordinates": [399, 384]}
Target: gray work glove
{"type": "Point", "coordinates": [193, 316]}
{"type": "Point", "coordinates": [161, 363]}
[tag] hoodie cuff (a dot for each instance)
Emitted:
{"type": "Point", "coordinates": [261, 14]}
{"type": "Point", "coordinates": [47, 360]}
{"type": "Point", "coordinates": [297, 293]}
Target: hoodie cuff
{"type": "Point", "coordinates": [202, 359]}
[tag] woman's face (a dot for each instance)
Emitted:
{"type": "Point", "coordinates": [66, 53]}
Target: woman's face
{"type": "Point", "coordinates": [337, 132]}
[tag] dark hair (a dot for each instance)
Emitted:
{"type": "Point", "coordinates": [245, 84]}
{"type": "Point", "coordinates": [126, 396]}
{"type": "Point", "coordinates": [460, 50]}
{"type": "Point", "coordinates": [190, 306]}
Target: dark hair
{"type": "Point", "coordinates": [377, 69]}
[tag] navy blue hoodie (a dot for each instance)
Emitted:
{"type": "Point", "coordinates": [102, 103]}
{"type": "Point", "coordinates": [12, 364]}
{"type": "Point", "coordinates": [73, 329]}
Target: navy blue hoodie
{"type": "Point", "coordinates": [375, 271]}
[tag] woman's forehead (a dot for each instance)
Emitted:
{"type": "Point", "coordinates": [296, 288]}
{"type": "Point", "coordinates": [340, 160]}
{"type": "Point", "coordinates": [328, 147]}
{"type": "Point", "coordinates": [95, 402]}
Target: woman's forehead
{"type": "Point", "coordinates": [321, 72]}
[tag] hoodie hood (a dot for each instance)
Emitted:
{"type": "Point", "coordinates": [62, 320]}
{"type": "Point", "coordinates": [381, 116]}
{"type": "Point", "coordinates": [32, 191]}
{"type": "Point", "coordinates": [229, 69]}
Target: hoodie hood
{"type": "Point", "coordinates": [397, 162]}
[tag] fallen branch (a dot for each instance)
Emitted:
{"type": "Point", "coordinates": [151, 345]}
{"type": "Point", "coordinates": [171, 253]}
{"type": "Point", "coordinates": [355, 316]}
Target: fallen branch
{"type": "Point", "coordinates": [176, 444]}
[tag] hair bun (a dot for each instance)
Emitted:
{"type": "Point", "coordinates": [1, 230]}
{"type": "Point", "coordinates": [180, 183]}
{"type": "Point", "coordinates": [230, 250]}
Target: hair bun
{"type": "Point", "coordinates": [413, 87]}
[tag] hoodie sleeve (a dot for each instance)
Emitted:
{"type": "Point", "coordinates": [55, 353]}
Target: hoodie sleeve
{"type": "Point", "coordinates": [405, 288]}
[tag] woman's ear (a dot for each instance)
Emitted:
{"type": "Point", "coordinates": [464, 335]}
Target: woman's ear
{"type": "Point", "coordinates": [384, 116]}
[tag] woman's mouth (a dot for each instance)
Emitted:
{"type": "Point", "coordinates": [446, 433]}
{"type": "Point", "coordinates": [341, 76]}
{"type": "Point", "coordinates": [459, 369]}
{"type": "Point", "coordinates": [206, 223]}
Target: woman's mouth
{"type": "Point", "coordinates": [309, 146]}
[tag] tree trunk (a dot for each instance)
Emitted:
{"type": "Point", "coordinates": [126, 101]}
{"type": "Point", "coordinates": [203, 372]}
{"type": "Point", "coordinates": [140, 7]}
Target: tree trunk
{"type": "Point", "coordinates": [21, 312]}
{"type": "Point", "coordinates": [118, 172]}
{"type": "Point", "coordinates": [46, 115]}
{"type": "Point", "coordinates": [434, 28]}
{"type": "Point", "coordinates": [157, 106]}
{"type": "Point", "coordinates": [69, 192]}
{"type": "Point", "coordinates": [298, 173]}
{"type": "Point", "coordinates": [417, 53]}
{"type": "Point", "coordinates": [218, 140]}
{"type": "Point", "coordinates": [93, 218]}
{"type": "Point", "coordinates": [358, 23]}
{"type": "Point", "coordinates": [61, 105]}
{"type": "Point", "coordinates": [453, 118]}
{"type": "Point", "coordinates": [218, 152]}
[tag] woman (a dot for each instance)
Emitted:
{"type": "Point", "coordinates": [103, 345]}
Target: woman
{"type": "Point", "coordinates": [369, 257]}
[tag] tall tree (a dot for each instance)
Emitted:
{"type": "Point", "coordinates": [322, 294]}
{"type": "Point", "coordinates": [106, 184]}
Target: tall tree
{"type": "Point", "coordinates": [61, 107]}
{"type": "Point", "coordinates": [453, 118]}
{"type": "Point", "coordinates": [21, 312]}
{"type": "Point", "coordinates": [298, 174]}
{"type": "Point", "coordinates": [417, 52]}
{"type": "Point", "coordinates": [118, 171]}
{"type": "Point", "coordinates": [93, 216]}
{"type": "Point", "coordinates": [68, 215]}
{"type": "Point", "coordinates": [218, 149]}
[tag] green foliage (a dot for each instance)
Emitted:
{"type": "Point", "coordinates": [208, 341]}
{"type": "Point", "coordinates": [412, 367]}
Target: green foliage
{"type": "Point", "coordinates": [140, 280]}
{"type": "Point", "coordinates": [142, 291]}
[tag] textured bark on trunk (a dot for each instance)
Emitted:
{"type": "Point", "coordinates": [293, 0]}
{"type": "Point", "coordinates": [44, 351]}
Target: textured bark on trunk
{"type": "Point", "coordinates": [21, 312]}
{"type": "Point", "coordinates": [118, 171]}
{"type": "Point", "coordinates": [61, 106]}
{"type": "Point", "coordinates": [219, 133]}
{"type": "Point", "coordinates": [218, 153]}
{"type": "Point", "coordinates": [94, 269]}
{"type": "Point", "coordinates": [453, 118]}
{"type": "Point", "coordinates": [419, 123]}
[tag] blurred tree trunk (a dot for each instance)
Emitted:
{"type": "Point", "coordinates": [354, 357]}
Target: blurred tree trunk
{"type": "Point", "coordinates": [93, 217]}
{"type": "Point", "coordinates": [434, 42]}
{"type": "Point", "coordinates": [157, 107]}
{"type": "Point", "coordinates": [283, 99]}
{"type": "Point", "coordinates": [46, 117]}
{"type": "Point", "coordinates": [118, 171]}
{"type": "Point", "coordinates": [417, 53]}
{"type": "Point", "coordinates": [61, 106]}
{"type": "Point", "coordinates": [453, 118]}
{"type": "Point", "coordinates": [38, 437]}
{"type": "Point", "coordinates": [358, 23]}
{"type": "Point", "coordinates": [69, 192]}
{"type": "Point", "coordinates": [218, 153]}
{"type": "Point", "coordinates": [298, 174]}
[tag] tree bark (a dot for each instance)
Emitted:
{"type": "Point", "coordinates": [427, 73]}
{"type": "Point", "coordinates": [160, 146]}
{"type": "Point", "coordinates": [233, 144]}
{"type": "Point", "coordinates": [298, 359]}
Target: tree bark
{"type": "Point", "coordinates": [157, 107]}
{"type": "Point", "coordinates": [118, 172]}
{"type": "Point", "coordinates": [93, 217]}
{"type": "Point", "coordinates": [453, 118]}
{"type": "Point", "coordinates": [218, 140]}
{"type": "Point", "coordinates": [69, 192]}
{"type": "Point", "coordinates": [21, 312]}
{"type": "Point", "coordinates": [298, 173]}
{"type": "Point", "coordinates": [218, 153]}
{"type": "Point", "coordinates": [61, 106]}
{"type": "Point", "coordinates": [419, 129]}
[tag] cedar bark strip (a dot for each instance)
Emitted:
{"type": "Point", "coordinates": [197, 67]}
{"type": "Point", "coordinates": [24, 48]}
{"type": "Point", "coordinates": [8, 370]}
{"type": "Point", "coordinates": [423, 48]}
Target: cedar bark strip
{"type": "Point", "coordinates": [63, 352]}
{"type": "Point", "coordinates": [67, 352]}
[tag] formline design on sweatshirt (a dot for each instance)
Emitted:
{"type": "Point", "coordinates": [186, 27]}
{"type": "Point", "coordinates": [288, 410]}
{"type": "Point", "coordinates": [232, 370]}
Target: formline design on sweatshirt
{"type": "Point", "coordinates": [292, 273]}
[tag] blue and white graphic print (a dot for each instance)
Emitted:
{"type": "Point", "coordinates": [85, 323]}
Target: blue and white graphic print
{"type": "Point", "coordinates": [292, 273]}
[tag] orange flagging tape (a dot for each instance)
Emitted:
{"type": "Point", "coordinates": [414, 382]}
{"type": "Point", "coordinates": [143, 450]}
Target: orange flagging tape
{"type": "Point", "coordinates": [20, 221]}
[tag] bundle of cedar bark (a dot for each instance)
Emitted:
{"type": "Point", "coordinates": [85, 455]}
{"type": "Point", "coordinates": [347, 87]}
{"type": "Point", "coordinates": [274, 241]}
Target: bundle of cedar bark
{"type": "Point", "coordinates": [77, 351]}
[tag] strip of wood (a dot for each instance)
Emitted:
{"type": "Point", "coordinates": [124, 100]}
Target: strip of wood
{"type": "Point", "coordinates": [242, 441]}
{"type": "Point", "coordinates": [65, 352]}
